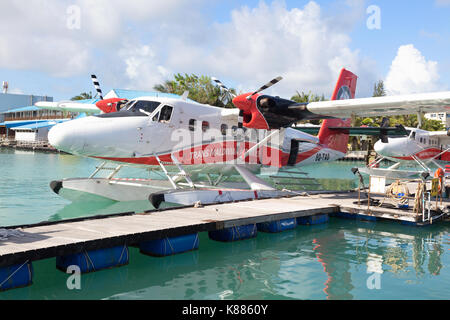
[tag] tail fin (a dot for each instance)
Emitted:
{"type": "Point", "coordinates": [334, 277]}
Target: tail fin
{"type": "Point", "coordinates": [345, 89]}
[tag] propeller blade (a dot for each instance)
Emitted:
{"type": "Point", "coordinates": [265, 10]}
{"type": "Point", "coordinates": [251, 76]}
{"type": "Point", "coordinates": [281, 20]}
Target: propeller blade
{"type": "Point", "coordinates": [97, 86]}
{"type": "Point", "coordinates": [385, 123]}
{"type": "Point", "coordinates": [221, 85]}
{"type": "Point", "coordinates": [266, 86]}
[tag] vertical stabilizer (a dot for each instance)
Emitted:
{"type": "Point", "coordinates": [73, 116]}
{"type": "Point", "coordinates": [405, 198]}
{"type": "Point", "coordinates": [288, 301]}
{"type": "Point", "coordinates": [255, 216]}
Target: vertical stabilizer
{"type": "Point", "coordinates": [345, 89]}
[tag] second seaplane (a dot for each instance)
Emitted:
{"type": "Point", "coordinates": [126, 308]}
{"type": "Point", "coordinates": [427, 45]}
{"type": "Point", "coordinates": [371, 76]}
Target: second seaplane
{"type": "Point", "coordinates": [193, 137]}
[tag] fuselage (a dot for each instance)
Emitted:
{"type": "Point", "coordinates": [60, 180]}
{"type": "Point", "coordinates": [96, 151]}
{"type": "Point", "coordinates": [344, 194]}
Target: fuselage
{"type": "Point", "coordinates": [419, 144]}
{"type": "Point", "coordinates": [179, 131]}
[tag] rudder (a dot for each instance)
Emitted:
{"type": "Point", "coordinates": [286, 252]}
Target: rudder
{"type": "Point", "coordinates": [345, 89]}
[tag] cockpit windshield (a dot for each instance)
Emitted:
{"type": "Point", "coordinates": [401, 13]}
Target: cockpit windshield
{"type": "Point", "coordinates": [147, 106]}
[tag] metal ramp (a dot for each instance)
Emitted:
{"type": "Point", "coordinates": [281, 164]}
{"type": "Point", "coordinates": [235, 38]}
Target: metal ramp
{"type": "Point", "coordinates": [295, 180]}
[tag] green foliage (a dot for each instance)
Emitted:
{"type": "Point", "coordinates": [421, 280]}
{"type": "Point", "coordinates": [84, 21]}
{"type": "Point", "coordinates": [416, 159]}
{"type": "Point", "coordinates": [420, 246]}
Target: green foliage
{"type": "Point", "coordinates": [307, 97]}
{"type": "Point", "coordinates": [201, 89]}
{"type": "Point", "coordinates": [378, 89]}
{"type": "Point", "coordinates": [82, 96]}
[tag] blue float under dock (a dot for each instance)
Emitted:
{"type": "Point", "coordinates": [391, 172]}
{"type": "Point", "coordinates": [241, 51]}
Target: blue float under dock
{"type": "Point", "coordinates": [90, 261]}
{"type": "Point", "coordinates": [234, 233]}
{"type": "Point", "coordinates": [170, 246]}
{"type": "Point", "coordinates": [277, 226]}
{"type": "Point", "coordinates": [313, 220]}
{"type": "Point", "coordinates": [363, 217]}
{"type": "Point", "coordinates": [16, 276]}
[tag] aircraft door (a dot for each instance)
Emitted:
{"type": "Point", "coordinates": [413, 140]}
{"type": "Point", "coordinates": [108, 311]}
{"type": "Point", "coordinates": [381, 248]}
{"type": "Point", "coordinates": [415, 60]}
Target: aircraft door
{"type": "Point", "coordinates": [294, 152]}
{"type": "Point", "coordinates": [160, 129]}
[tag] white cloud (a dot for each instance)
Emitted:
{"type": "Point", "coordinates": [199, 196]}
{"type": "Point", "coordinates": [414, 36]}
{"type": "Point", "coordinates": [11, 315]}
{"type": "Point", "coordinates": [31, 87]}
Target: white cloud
{"type": "Point", "coordinates": [138, 43]}
{"type": "Point", "coordinates": [410, 72]}
{"type": "Point", "coordinates": [142, 68]}
{"type": "Point", "coordinates": [442, 3]}
{"type": "Point", "coordinates": [298, 44]}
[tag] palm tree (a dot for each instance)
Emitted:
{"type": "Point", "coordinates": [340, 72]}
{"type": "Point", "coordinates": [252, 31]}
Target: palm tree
{"type": "Point", "coordinates": [82, 96]}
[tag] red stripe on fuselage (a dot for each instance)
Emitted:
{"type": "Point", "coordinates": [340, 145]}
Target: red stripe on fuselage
{"type": "Point", "coordinates": [427, 154]}
{"type": "Point", "coordinates": [208, 154]}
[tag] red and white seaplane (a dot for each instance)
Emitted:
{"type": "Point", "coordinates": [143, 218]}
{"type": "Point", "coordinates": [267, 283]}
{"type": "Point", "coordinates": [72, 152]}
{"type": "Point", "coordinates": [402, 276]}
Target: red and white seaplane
{"type": "Point", "coordinates": [419, 147]}
{"type": "Point", "coordinates": [193, 138]}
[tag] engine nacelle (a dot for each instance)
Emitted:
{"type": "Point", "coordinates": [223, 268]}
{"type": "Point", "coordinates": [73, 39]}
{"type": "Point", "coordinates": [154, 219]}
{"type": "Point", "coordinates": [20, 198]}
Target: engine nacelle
{"type": "Point", "coordinates": [268, 112]}
{"type": "Point", "coordinates": [110, 105]}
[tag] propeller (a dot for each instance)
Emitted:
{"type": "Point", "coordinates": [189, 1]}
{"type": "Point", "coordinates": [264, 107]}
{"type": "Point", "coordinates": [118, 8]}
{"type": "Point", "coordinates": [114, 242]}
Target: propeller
{"type": "Point", "coordinates": [266, 86]}
{"type": "Point", "coordinates": [222, 86]}
{"type": "Point", "coordinates": [229, 92]}
{"type": "Point", "coordinates": [385, 123]}
{"type": "Point", "coordinates": [97, 86]}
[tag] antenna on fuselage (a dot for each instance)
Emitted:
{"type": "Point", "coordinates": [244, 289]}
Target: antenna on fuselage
{"type": "Point", "coordinates": [185, 95]}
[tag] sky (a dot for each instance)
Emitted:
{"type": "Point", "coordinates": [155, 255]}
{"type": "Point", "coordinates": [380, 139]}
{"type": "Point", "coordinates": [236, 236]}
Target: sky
{"type": "Point", "coordinates": [51, 47]}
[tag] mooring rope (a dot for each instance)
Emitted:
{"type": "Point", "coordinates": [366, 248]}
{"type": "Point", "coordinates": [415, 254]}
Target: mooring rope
{"type": "Point", "coordinates": [121, 255]}
{"type": "Point", "coordinates": [394, 191]}
{"type": "Point", "coordinates": [12, 274]}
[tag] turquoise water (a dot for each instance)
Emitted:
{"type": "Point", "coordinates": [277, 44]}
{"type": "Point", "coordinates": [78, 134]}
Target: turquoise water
{"type": "Point", "coordinates": [343, 259]}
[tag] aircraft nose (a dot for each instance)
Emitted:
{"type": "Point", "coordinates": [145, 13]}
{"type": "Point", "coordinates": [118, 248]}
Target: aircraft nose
{"type": "Point", "coordinates": [64, 137]}
{"type": "Point", "coordinates": [381, 148]}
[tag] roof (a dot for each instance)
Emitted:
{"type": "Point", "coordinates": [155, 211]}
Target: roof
{"type": "Point", "coordinates": [38, 125]}
{"type": "Point", "coordinates": [87, 101]}
{"type": "Point", "coordinates": [23, 109]}
{"type": "Point", "coordinates": [13, 124]}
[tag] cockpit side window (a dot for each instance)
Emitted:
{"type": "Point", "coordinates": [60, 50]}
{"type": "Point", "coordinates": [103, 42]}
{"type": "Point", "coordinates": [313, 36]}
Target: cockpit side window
{"type": "Point", "coordinates": [166, 114]}
{"type": "Point", "coordinates": [413, 135]}
{"type": "Point", "coordinates": [147, 106]}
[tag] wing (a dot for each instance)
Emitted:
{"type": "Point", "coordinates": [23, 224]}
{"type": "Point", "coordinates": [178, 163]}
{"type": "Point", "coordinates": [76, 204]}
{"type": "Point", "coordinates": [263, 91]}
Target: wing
{"type": "Point", "coordinates": [383, 106]}
{"type": "Point", "coordinates": [69, 106]}
{"type": "Point", "coordinates": [357, 131]}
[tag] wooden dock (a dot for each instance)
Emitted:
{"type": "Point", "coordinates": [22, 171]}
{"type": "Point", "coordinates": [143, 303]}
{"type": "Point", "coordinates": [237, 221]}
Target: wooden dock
{"type": "Point", "coordinates": [55, 239]}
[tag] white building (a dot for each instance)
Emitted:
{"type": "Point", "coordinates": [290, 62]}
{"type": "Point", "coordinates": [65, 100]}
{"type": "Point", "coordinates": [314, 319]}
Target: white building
{"type": "Point", "coordinates": [441, 116]}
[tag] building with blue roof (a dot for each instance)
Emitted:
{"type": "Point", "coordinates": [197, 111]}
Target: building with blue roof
{"type": "Point", "coordinates": [34, 131]}
{"type": "Point", "coordinates": [10, 101]}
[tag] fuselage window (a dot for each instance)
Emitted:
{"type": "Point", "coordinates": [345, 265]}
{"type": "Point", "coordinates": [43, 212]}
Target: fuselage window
{"type": "Point", "coordinates": [205, 126]}
{"type": "Point", "coordinates": [192, 123]}
{"type": "Point", "coordinates": [147, 106]}
{"type": "Point", "coordinates": [421, 140]}
{"type": "Point", "coordinates": [223, 129]}
{"type": "Point", "coordinates": [166, 114]}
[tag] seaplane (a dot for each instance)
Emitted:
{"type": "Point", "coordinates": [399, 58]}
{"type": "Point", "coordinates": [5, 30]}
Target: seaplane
{"type": "Point", "coordinates": [198, 139]}
{"type": "Point", "coordinates": [419, 148]}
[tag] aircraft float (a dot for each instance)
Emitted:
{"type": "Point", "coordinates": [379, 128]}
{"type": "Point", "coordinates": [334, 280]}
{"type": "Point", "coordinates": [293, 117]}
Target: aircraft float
{"type": "Point", "coordinates": [193, 137]}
